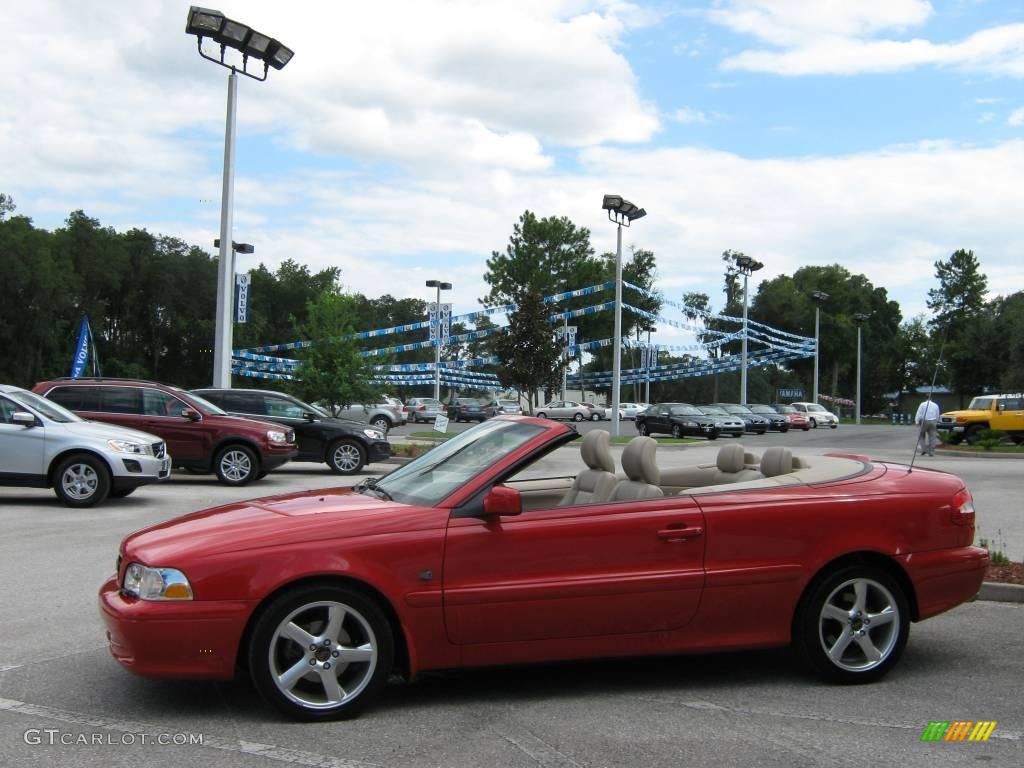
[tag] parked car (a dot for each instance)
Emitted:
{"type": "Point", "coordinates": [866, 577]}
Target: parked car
{"type": "Point", "coordinates": [200, 436]}
{"type": "Point", "coordinates": [630, 410]}
{"type": "Point", "coordinates": [1001, 412]}
{"type": "Point", "coordinates": [776, 420]}
{"type": "Point", "coordinates": [345, 446]}
{"type": "Point", "coordinates": [818, 415]}
{"type": "Point", "coordinates": [423, 409]}
{"type": "Point", "coordinates": [564, 409]}
{"type": "Point", "coordinates": [382, 415]}
{"type": "Point", "coordinates": [498, 407]}
{"type": "Point", "coordinates": [464, 558]}
{"type": "Point", "coordinates": [399, 407]}
{"type": "Point", "coordinates": [43, 445]}
{"type": "Point", "coordinates": [797, 419]}
{"type": "Point", "coordinates": [728, 425]}
{"type": "Point", "coordinates": [466, 409]}
{"type": "Point", "coordinates": [597, 412]}
{"type": "Point", "coordinates": [676, 419]}
{"type": "Point", "coordinates": [753, 423]}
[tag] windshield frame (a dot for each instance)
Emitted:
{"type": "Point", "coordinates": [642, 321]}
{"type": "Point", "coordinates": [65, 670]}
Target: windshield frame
{"type": "Point", "coordinates": [40, 405]}
{"type": "Point", "coordinates": [196, 400]}
{"type": "Point", "coordinates": [714, 410]}
{"type": "Point", "coordinates": [683, 409]}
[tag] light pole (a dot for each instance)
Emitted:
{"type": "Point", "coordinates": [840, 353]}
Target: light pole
{"type": "Point", "coordinates": [650, 359]}
{"type": "Point", "coordinates": [437, 342]}
{"type": "Point", "coordinates": [746, 266]}
{"type": "Point", "coordinates": [622, 213]}
{"type": "Point", "coordinates": [859, 318]}
{"type": "Point", "coordinates": [204, 22]}
{"type": "Point", "coordinates": [820, 297]}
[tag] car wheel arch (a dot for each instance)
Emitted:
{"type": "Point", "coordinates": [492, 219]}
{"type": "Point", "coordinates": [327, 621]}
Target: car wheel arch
{"type": "Point", "coordinates": [56, 461]}
{"type": "Point", "coordinates": [234, 440]}
{"type": "Point", "coordinates": [865, 558]}
{"type": "Point", "coordinates": [405, 656]}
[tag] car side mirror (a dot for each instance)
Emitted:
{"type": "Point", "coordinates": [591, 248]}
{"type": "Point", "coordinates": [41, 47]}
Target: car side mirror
{"type": "Point", "coordinates": [24, 418]}
{"type": "Point", "coordinates": [309, 416]}
{"type": "Point", "coordinates": [503, 501]}
{"type": "Point", "coordinates": [190, 414]}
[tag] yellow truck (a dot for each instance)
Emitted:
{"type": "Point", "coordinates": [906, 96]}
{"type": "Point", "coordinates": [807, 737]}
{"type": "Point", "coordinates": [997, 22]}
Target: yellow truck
{"type": "Point", "coordinates": [1002, 412]}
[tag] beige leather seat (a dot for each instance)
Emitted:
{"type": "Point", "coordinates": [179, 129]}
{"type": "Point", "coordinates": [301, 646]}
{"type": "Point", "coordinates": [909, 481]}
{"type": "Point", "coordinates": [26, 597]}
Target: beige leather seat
{"type": "Point", "coordinates": [732, 468]}
{"type": "Point", "coordinates": [596, 483]}
{"type": "Point", "coordinates": [640, 467]}
{"type": "Point", "coordinates": [777, 461]}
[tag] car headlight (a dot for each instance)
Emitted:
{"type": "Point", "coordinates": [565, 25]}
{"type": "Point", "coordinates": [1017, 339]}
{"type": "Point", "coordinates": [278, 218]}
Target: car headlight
{"type": "Point", "coordinates": [373, 434]}
{"type": "Point", "coordinates": [156, 583]}
{"type": "Point", "coordinates": [276, 436]}
{"type": "Point", "coordinates": [129, 446]}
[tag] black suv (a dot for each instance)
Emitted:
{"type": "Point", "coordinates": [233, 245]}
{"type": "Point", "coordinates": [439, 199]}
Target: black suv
{"type": "Point", "coordinates": [676, 419]}
{"type": "Point", "coordinates": [346, 446]}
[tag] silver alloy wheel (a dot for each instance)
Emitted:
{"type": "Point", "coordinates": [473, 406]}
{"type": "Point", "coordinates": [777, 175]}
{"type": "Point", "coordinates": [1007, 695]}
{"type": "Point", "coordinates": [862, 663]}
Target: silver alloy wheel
{"type": "Point", "coordinates": [595, 417]}
{"type": "Point", "coordinates": [236, 465]}
{"type": "Point", "coordinates": [346, 457]}
{"type": "Point", "coordinates": [79, 481]}
{"type": "Point", "coordinates": [859, 625]}
{"type": "Point", "coordinates": [322, 654]}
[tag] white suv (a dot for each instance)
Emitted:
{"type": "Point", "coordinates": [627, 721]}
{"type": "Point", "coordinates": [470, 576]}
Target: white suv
{"type": "Point", "coordinates": [819, 415]}
{"type": "Point", "coordinates": [43, 445]}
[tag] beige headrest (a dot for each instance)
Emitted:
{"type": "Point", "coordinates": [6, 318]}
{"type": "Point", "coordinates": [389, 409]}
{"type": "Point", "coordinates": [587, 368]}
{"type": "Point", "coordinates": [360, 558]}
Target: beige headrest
{"type": "Point", "coordinates": [776, 461]}
{"type": "Point", "coordinates": [638, 460]}
{"type": "Point", "coordinates": [595, 451]}
{"type": "Point", "coordinates": [730, 458]}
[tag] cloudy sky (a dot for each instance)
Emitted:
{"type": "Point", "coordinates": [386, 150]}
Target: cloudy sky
{"type": "Point", "coordinates": [406, 137]}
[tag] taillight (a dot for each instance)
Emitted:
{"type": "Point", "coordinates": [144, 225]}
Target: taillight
{"type": "Point", "coordinates": [963, 508]}
{"type": "Point", "coordinates": [423, 407]}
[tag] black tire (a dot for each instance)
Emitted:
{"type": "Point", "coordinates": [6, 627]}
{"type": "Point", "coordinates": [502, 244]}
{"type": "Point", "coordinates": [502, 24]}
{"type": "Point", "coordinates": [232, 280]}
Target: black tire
{"type": "Point", "coordinates": [712, 436]}
{"type": "Point", "coordinates": [577, 417]}
{"type": "Point", "coordinates": [677, 431]}
{"type": "Point", "coordinates": [236, 465]}
{"type": "Point", "coordinates": [814, 423]}
{"type": "Point", "coordinates": [973, 433]}
{"type": "Point", "coordinates": [761, 431]}
{"type": "Point", "coordinates": [595, 417]}
{"type": "Point", "coordinates": [363, 632]}
{"type": "Point", "coordinates": [784, 430]}
{"type": "Point", "coordinates": [541, 415]}
{"type": "Point", "coordinates": [260, 475]}
{"type": "Point", "coordinates": [120, 494]}
{"type": "Point", "coordinates": [834, 426]}
{"type": "Point", "coordinates": [863, 593]}
{"type": "Point", "coordinates": [806, 429]}
{"type": "Point", "coordinates": [81, 480]}
{"type": "Point", "coordinates": [383, 423]}
{"type": "Point", "coordinates": [346, 457]}
{"type": "Point", "coordinates": [641, 429]}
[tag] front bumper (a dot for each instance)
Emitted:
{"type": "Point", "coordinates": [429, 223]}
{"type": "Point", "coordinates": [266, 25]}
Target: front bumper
{"type": "Point", "coordinates": [377, 450]}
{"type": "Point", "coordinates": [945, 578]}
{"type": "Point", "coordinates": [276, 455]}
{"type": "Point", "coordinates": [193, 639]}
{"type": "Point", "coordinates": [132, 471]}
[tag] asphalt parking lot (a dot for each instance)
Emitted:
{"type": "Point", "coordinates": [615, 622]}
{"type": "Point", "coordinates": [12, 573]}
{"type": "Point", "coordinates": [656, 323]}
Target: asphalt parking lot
{"type": "Point", "coordinates": [64, 701]}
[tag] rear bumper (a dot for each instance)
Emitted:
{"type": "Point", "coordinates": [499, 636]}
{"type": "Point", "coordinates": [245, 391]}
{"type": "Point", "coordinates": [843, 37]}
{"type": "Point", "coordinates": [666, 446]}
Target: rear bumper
{"type": "Point", "coordinates": [192, 639]}
{"type": "Point", "coordinates": [945, 578]}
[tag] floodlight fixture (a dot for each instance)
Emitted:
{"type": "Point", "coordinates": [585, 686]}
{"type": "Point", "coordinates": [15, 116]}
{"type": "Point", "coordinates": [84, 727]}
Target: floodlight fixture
{"type": "Point", "coordinates": [237, 247]}
{"type": "Point", "coordinates": [622, 211]}
{"type": "Point", "coordinates": [228, 33]}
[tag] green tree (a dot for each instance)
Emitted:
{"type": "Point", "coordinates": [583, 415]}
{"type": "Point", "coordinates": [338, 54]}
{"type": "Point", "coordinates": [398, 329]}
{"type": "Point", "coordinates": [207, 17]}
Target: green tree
{"type": "Point", "coordinates": [332, 371]}
{"type": "Point", "coordinates": [958, 307]}
{"type": "Point", "coordinates": [530, 355]}
{"type": "Point", "coordinates": [6, 205]}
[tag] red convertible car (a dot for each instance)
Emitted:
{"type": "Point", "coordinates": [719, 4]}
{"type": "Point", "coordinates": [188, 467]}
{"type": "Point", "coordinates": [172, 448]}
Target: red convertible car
{"type": "Point", "coordinates": [470, 556]}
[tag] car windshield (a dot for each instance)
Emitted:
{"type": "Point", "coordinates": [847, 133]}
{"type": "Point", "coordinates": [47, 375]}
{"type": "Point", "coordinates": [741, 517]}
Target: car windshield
{"type": "Point", "coordinates": [310, 408]}
{"type": "Point", "coordinates": [816, 408]}
{"type": "Point", "coordinates": [738, 409]}
{"type": "Point", "coordinates": [786, 409]}
{"type": "Point", "coordinates": [47, 408]}
{"type": "Point", "coordinates": [685, 410]}
{"type": "Point", "coordinates": [714, 410]}
{"type": "Point", "coordinates": [508, 403]}
{"type": "Point", "coordinates": [764, 409]}
{"type": "Point", "coordinates": [206, 405]}
{"type": "Point", "coordinates": [446, 468]}
{"type": "Point", "coordinates": [981, 404]}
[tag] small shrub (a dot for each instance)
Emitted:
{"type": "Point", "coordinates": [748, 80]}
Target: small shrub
{"type": "Point", "coordinates": [990, 438]}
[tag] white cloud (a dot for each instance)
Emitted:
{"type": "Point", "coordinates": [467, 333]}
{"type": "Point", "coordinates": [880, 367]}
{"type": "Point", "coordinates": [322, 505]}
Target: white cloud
{"type": "Point", "coordinates": [1016, 117]}
{"type": "Point", "coordinates": [840, 38]}
{"type": "Point", "coordinates": [987, 117]}
{"type": "Point", "coordinates": [688, 116]}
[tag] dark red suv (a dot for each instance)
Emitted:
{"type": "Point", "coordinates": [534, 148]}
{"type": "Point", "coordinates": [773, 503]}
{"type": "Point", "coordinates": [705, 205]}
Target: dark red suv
{"type": "Point", "coordinates": [200, 436]}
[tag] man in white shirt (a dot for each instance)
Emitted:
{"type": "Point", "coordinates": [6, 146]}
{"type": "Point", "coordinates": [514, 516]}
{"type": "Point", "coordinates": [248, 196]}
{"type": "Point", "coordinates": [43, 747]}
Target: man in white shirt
{"type": "Point", "coordinates": [928, 417]}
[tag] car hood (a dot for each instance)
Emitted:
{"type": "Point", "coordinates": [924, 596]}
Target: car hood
{"type": "Point", "coordinates": [272, 521]}
{"type": "Point", "coordinates": [98, 430]}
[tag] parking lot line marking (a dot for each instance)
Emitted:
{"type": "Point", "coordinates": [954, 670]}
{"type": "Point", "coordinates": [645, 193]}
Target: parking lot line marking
{"type": "Point", "coordinates": [535, 747]}
{"type": "Point", "coordinates": [241, 746]}
{"type": "Point", "coordinates": [5, 667]}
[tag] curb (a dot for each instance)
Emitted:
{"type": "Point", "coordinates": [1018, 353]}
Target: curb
{"type": "Point", "coordinates": [979, 454]}
{"type": "Point", "coordinates": [1001, 593]}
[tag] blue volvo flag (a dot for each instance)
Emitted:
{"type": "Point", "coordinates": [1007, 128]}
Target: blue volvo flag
{"type": "Point", "coordinates": [81, 358]}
